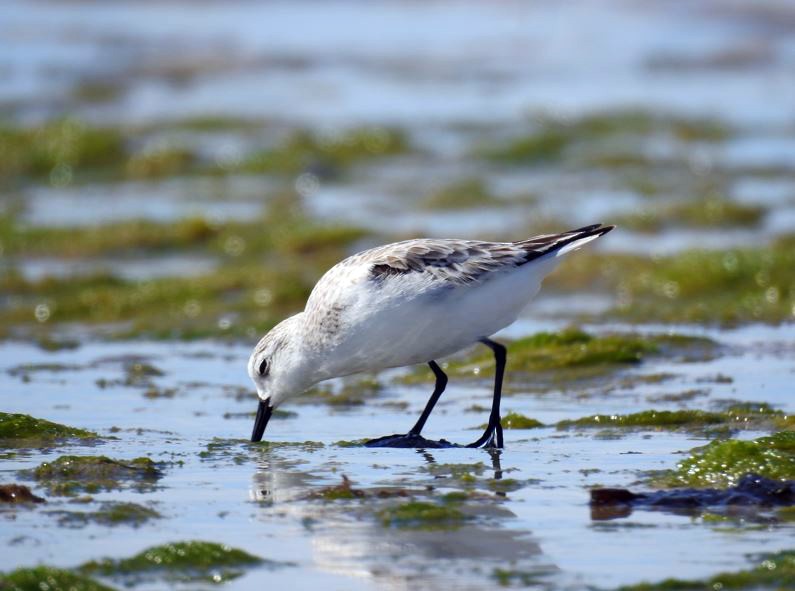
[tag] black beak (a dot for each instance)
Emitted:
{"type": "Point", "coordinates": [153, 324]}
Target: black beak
{"type": "Point", "coordinates": [263, 416]}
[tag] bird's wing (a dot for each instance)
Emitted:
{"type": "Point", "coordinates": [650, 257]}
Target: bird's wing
{"type": "Point", "coordinates": [453, 262]}
{"type": "Point", "coordinates": [466, 262]}
{"type": "Point", "coordinates": [425, 266]}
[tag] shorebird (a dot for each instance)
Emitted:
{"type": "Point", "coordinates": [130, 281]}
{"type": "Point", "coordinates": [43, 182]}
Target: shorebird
{"type": "Point", "coordinates": [403, 304]}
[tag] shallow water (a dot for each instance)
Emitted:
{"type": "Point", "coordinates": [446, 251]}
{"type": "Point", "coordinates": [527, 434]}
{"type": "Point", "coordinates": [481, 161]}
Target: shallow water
{"type": "Point", "coordinates": [455, 77]}
{"type": "Point", "coordinates": [257, 499]}
{"type": "Point", "coordinates": [444, 61]}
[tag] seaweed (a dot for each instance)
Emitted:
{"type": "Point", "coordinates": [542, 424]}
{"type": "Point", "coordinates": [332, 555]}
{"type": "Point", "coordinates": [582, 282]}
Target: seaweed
{"type": "Point", "coordinates": [696, 213]}
{"type": "Point", "coordinates": [110, 514]}
{"type": "Point", "coordinates": [21, 430]}
{"type": "Point", "coordinates": [41, 578]}
{"type": "Point", "coordinates": [422, 515]}
{"type": "Point", "coordinates": [723, 463]}
{"type": "Point", "coordinates": [580, 353]}
{"type": "Point", "coordinates": [68, 475]}
{"type": "Point", "coordinates": [724, 287]}
{"type": "Point", "coordinates": [769, 571]}
{"type": "Point", "coordinates": [306, 151]}
{"type": "Point", "coordinates": [179, 561]}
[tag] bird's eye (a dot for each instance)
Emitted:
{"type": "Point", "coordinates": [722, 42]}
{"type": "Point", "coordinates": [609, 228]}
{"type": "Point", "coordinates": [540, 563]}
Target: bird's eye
{"type": "Point", "coordinates": [263, 368]}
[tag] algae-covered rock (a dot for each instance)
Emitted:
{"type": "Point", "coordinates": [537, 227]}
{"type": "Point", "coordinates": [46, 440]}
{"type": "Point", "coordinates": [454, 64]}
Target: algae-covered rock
{"type": "Point", "coordinates": [180, 561]}
{"type": "Point", "coordinates": [723, 463]}
{"type": "Point", "coordinates": [110, 514]}
{"type": "Point", "coordinates": [580, 354]}
{"type": "Point", "coordinates": [47, 578]}
{"type": "Point", "coordinates": [751, 415]}
{"type": "Point", "coordinates": [17, 493]}
{"type": "Point", "coordinates": [21, 430]}
{"type": "Point", "coordinates": [515, 420]}
{"type": "Point", "coordinates": [422, 515]}
{"type": "Point", "coordinates": [664, 419]}
{"type": "Point", "coordinates": [68, 475]}
{"type": "Point", "coordinates": [772, 571]}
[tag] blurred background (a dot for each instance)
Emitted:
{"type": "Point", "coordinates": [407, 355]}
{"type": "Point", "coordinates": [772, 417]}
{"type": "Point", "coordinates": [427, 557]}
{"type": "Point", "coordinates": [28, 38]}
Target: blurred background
{"type": "Point", "coordinates": [176, 175]}
{"type": "Point", "coordinates": [190, 168]}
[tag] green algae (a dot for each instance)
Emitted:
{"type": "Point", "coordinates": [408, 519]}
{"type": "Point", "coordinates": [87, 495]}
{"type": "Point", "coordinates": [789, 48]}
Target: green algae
{"type": "Point", "coordinates": [226, 449]}
{"type": "Point", "coordinates": [504, 485]}
{"type": "Point", "coordinates": [179, 561]}
{"type": "Point", "coordinates": [161, 162]}
{"type": "Point", "coordinates": [515, 420]}
{"type": "Point", "coordinates": [679, 397]}
{"type": "Point", "coordinates": [295, 250]}
{"type": "Point", "coordinates": [553, 139]}
{"type": "Point", "coordinates": [637, 122]}
{"type": "Point", "coordinates": [20, 430]}
{"type": "Point", "coordinates": [465, 194]}
{"type": "Point", "coordinates": [305, 446]}
{"type": "Point", "coordinates": [697, 213]}
{"type": "Point", "coordinates": [786, 514]}
{"type": "Point", "coordinates": [68, 151]}
{"type": "Point", "coordinates": [510, 577]}
{"type": "Point", "coordinates": [303, 150]}
{"type": "Point", "coordinates": [468, 193]}
{"type": "Point", "coordinates": [26, 369]}
{"type": "Point", "coordinates": [665, 419]}
{"type": "Point", "coordinates": [110, 514]}
{"type": "Point", "coordinates": [422, 515]}
{"type": "Point", "coordinates": [97, 91]}
{"type": "Point", "coordinates": [215, 123]}
{"type": "Point", "coordinates": [750, 415]}
{"type": "Point", "coordinates": [68, 475]}
{"type": "Point", "coordinates": [133, 236]}
{"type": "Point", "coordinates": [725, 287]}
{"type": "Point", "coordinates": [581, 354]}
{"type": "Point", "coordinates": [723, 462]}
{"type": "Point", "coordinates": [771, 571]}
{"type": "Point", "coordinates": [576, 348]}
{"type": "Point", "coordinates": [58, 151]}
{"type": "Point", "coordinates": [48, 578]}
{"type": "Point", "coordinates": [544, 145]}
{"type": "Point", "coordinates": [239, 450]}
{"type": "Point", "coordinates": [464, 475]}
{"type": "Point", "coordinates": [351, 442]}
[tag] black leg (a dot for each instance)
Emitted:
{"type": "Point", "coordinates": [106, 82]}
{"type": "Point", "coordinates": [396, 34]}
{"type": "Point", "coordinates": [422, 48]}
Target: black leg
{"type": "Point", "coordinates": [492, 436]}
{"type": "Point", "coordinates": [441, 383]}
{"type": "Point", "coordinates": [413, 437]}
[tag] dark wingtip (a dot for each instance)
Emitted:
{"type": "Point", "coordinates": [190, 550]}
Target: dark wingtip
{"type": "Point", "coordinates": [604, 229]}
{"type": "Point", "coordinates": [264, 412]}
{"type": "Point", "coordinates": [600, 229]}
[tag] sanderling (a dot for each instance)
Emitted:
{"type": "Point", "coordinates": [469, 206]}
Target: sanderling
{"type": "Point", "coordinates": [402, 304]}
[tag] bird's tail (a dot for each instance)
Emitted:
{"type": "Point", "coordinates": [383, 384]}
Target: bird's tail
{"type": "Point", "coordinates": [560, 244]}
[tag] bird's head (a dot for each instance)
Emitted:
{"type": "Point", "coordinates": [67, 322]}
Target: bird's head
{"type": "Point", "coordinates": [279, 370]}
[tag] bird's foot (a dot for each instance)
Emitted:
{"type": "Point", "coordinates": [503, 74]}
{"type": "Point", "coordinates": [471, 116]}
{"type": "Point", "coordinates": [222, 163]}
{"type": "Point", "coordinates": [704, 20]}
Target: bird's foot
{"type": "Point", "coordinates": [409, 440]}
{"type": "Point", "coordinates": [491, 438]}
